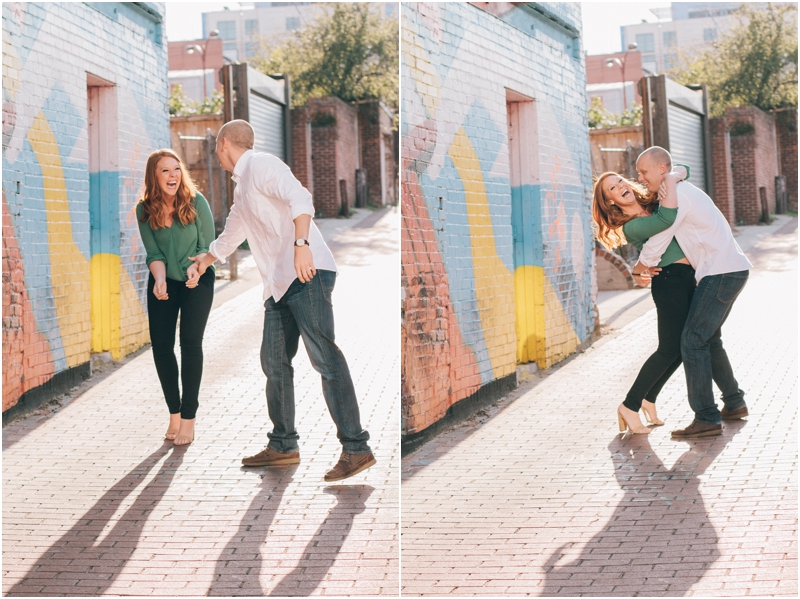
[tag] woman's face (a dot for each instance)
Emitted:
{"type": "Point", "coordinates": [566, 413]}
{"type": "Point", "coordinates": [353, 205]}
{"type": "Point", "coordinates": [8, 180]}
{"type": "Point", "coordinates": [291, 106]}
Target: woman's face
{"type": "Point", "coordinates": [168, 174]}
{"type": "Point", "coordinates": [617, 191]}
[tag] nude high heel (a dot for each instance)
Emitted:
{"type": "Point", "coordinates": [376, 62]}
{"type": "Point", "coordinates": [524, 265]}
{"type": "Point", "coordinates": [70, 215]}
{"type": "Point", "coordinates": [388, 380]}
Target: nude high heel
{"type": "Point", "coordinates": [623, 426]}
{"type": "Point", "coordinates": [651, 420]}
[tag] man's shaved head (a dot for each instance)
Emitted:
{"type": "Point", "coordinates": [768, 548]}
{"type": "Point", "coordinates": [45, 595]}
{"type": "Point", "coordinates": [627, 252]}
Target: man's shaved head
{"type": "Point", "coordinates": [239, 133]}
{"type": "Point", "coordinates": [657, 156]}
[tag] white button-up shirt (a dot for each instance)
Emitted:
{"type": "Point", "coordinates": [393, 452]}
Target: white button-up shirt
{"type": "Point", "coordinates": [266, 201]}
{"type": "Point", "coordinates": [703, 234]}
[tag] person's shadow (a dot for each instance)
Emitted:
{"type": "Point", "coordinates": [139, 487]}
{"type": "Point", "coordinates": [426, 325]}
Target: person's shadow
{"type": "Point", "coordinates": [238, 569]}
{"type": "Point", "coordinates": [99, 562]}
{"type": "Point", "coordinates": [660, 539]}
{"type": "Point", "coordinates": [321, 551]}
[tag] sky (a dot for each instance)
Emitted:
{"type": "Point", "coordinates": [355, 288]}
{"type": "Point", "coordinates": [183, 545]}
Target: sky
{"type": "Point", "coordinates": [601, 20]}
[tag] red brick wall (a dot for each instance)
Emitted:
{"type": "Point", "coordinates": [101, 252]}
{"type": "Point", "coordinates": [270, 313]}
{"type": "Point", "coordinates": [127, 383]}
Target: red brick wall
{"type": "Point", "coordinates": [369, 120]}
{"type": "Point", "coordinates": [27, 362]}
{"type": "Point", "coordinates": [334, 154]}
{"type": "Point", "coordinates": [721, 169]}
{"type": "Point", "coordinates": [301, 148]}
{"type": "Point", "coordinates": [786, 128]}
{"type": "Point", "coordinates": [755, 162]}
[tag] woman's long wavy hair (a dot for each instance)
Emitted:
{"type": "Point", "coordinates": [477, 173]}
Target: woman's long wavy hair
{"type": "Point", "coordinates": [609, 218]}
{"type": "Point", "coordinates": [154, 209]}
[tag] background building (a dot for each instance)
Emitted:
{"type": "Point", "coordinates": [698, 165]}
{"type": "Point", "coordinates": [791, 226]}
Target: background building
{"type": "Point", "coordinates": [605, 74]}
{"type": "Point", "coordinates": [497, 261]}
{"type": "Point", "coordinates": [84, 103]}
{"type": "Point", "coordinates": [241, 30]}
{"type": "Point", "coordinates": [190, 61]}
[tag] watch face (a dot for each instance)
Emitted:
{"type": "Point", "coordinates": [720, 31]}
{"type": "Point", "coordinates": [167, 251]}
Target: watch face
{"type": "Point", "coordinates": [300, 242]}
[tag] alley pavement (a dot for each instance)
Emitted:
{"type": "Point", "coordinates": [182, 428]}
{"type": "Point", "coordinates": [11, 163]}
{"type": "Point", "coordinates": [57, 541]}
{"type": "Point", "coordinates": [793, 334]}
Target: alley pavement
{"type": "Point", "coordinates": [540, 495]}
{"type": "Point", "coordinates": [96, 502]}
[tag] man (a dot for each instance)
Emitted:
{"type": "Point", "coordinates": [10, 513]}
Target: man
{"type": "Point", "coordinates": [273, 211]}
{"type": "Point", "coordinates": [721, 270]}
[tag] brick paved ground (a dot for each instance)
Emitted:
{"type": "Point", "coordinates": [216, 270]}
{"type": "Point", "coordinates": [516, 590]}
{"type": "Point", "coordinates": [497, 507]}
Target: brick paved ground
{"type": "Point", "coordinates": [543, 497]}
{"type": "Point", "coordinates": [95, 502]}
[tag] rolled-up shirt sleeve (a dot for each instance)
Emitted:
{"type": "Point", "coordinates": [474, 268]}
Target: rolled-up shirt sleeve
{"type": "Point", "coordinates": [279, 182]}
{"type": "Point", "coordinates": [154, 253]}
{"type": "Point", "coordinates": [231, 237]}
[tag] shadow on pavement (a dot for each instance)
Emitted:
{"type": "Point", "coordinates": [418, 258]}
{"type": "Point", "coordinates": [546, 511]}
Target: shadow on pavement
{"type": "Point", "coordinates": [238, 571]}
{"type": "Point", "coordinates": [320, 553]}
{"type": "Point", "coordinates": [77, 564]}
{"type": "Point", "coordinates": [660, 539]}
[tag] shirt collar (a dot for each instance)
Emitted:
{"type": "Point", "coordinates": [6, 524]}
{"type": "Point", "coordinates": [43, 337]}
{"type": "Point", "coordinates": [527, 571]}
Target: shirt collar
{"type": "Point", "coordinates": [241, 164]}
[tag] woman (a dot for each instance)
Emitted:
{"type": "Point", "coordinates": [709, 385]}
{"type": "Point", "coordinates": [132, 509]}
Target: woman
{"type": "Point", "coordinates": [176, 223]}
{"type": "Point", "coordinates": [624, 213]}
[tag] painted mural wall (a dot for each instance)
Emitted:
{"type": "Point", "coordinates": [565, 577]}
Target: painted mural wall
{"type": "Point", "coordinates": [74, 277]}
{"type": "Point", "coordinates": [497, 261]}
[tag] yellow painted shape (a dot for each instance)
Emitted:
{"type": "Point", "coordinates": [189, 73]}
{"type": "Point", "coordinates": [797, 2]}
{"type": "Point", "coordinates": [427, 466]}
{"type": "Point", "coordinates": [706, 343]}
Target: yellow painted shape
{"type": "Point", "coordinates": [106, 304]}
{"type": "Point", "coordinates": [561, 339]}
{"type": "Point", "coordinates": [134, 326]}
{"type": "Point", "coordinates": [422, 70]}
{"type": "Point", "coordinates": [494, 283]}
{"type": "Point", "coordinates": [529, 289]}
{"type": "Point", "coordinates": [69, 269]}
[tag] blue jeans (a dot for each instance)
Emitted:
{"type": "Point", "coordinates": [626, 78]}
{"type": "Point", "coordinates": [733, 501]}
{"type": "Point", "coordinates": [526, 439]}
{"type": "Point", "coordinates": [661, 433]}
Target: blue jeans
{"type": "Point", "coordinates": [704, 358]}
{"type": "Point", "coordinates": [306, 310]}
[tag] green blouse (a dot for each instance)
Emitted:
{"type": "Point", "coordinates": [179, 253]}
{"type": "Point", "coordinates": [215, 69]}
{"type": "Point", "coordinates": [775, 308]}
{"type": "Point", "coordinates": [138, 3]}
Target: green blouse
{"type": "Point", "coordinates": [639, 230]}
{"type": "Point", "coordinates": [173, 245]}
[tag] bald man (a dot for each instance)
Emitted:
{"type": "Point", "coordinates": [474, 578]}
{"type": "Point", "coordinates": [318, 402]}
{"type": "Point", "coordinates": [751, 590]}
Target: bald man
{"type": "Point", "coordinates": [273, 211]}
{"type": "Point", "coordinates": [721, 271]}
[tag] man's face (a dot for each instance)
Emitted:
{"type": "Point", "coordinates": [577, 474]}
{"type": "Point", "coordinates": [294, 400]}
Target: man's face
{"type": "Point", "coordinates": [225, 162]}
{"type": "Point", "coordinates": [651, 175]}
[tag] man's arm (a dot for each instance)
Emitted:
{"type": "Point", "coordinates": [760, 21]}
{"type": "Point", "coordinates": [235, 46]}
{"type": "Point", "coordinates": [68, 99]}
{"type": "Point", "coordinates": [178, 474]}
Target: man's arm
{"type": "Point", "coordinates": [231, 238]}
{"type": "Point", "coordinates": [303, 257]}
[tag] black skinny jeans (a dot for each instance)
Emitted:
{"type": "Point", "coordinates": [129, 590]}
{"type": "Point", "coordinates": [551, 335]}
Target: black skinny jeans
{"type": "Point", "coordinates": [672, 291]}
{"type": "Point", "coordinates": [194, 306]}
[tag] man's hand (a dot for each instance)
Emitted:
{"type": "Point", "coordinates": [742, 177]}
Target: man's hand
{"type": "Point", "coordinates": [160, 289]}
{"type": "Point", "coordinates": [304, 263]}
{"type": "Point", "coordinates": [194, 276]}
{"type": "Point", "coordinates": [201, 262]}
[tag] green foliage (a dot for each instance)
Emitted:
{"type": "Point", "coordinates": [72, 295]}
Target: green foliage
{"type": "Point", "coordinates": [755, 64]}
{"type": "Point", "coordinates": [351, 53]}
{"type": "Point", "coordinates": [322, 119]}
{"type": "Point", "coordinates": [600, 118]}
{"type": "Point", "coordinates": [741, 128]}
{"type": "Point", "coordinates": [181, 105]}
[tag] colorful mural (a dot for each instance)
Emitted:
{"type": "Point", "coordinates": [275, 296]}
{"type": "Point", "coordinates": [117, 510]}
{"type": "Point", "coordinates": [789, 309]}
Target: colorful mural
{"type": "Point", "coordinates": [73, 273]}
{"type": "Point", "coordinates": [493, 273]}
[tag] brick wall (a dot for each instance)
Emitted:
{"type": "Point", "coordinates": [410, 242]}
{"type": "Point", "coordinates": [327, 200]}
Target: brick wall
{"type": "Point", "coordinates": [721, 169]}
{"type": "Point", "coordinates": [301, 148]}
{"type": "Point", "coordinates": [70, 289]}
{"type": "Point", "coordinates": [334, 154]}
{"type": "Point", "coordinates": [375, 131]}
{"type": "Point", "coordinates": [754, 159]}
{"type": "Point", "coordinates": [474, 299]}
{"type": "Point", "coordinates": [786, 128]}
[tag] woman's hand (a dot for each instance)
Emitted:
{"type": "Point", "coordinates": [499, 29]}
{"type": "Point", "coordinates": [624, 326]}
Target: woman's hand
{"type": "Point", "coordinates": [160, 289]}
{"type": "Point", "coordinates": [194, 276]}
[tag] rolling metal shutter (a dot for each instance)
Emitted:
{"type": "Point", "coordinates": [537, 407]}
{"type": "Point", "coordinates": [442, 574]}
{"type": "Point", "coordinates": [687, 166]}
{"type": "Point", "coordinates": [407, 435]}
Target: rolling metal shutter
{"type": "Point", "coordinates": [686, 143]}
{"type": "Point", "coordinates": [267, 119]}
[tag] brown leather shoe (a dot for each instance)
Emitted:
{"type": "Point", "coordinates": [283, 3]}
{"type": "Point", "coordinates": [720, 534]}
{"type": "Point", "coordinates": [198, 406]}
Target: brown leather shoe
{"type": "Point", "coordinates": [350, 464]}
{"type": "Point", "coordinates": [268, 457]}
{"type": "Point", "coordinates": [737, 414]}
{"type": "Point", "coordinates": [697, 429]}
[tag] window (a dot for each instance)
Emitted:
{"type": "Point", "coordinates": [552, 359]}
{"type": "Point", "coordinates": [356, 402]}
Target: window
{"type": "Point", "coordinates": [649, 63]}
{"type": "Point", "coordinates": [709, 35]}
{"type": "Point", "coordinates": [251, 49]}
{"type": "Point", "coordinates": [669, 39]}
{"type": "Point", "coordinates": [292, 23]}
{"type": "Point", "coordinates": [227, 29]}
{"type": "Point", "coordinates": [229, 51]}
{"type": "Point", "coordinates": [670, 61]}
{"type": "Point", "coordinates": [645, 42]}
{"type": "Point", "coordinates": [251, 27]}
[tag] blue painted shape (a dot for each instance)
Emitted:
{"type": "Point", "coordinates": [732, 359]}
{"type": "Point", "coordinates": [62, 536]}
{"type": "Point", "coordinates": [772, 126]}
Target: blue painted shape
{"type": "Point", "coordinates": [104, 232]}
{"type": "Point", "coordinates": [33, 16]}
{"type": "Point", "coordinates": [526, 222]}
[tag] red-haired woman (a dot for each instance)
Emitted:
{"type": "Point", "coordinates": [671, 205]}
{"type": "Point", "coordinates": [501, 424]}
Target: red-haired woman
{"type": "Point", "coordinates": [624, 212]}
{"type": "Point", "coordinates": [176, 223]}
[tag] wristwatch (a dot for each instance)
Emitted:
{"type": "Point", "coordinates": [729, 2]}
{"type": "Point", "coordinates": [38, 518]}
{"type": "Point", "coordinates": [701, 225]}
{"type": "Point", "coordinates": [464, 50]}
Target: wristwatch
{"type": "Point", "coordinates": [300, 242]}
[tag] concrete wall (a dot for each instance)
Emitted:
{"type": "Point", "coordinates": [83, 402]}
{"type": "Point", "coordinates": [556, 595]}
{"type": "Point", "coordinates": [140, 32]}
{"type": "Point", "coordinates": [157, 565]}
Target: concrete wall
{"type": "Point", "coordinates": [475, 300]}
{"type": "Point", "coordinates": [74, 274]}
